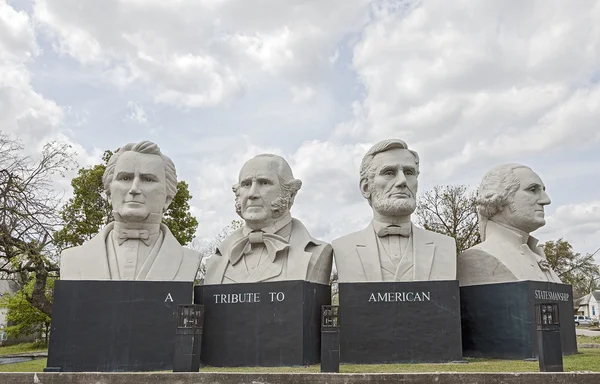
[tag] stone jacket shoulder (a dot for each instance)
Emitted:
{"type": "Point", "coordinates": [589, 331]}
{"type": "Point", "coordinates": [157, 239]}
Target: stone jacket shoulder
{"type": "Point", "coordinates": [310, 259]}
{"type": "Point", "coordinates": [90, 260]}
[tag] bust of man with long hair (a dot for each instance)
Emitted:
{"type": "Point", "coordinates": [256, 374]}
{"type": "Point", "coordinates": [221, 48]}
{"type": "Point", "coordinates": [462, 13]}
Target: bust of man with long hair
{"type": "Point", "coordinates": [510, 203]}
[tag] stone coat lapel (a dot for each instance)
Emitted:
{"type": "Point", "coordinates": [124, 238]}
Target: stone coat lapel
{"type": "Point", "coordinates": [168, 261]}
{"type": "Point", "coordinates": [297, 258]}
{"type": "Point", "coordinates": [423, 251]}
{"type": "Point", "coordinates": [366, 247]}
{"type": "Point", "coordinates": [96, 256]}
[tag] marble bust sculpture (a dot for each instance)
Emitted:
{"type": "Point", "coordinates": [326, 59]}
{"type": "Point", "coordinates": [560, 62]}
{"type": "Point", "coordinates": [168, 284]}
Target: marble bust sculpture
{"type": "Point", "coordinates": [272, 245]}
{"type": "Point", "coordinates": [510, 204]}
{"type": "Point", "coordinates": [140, 183]}
{"type": "Point", "coordinates": [391, 248]}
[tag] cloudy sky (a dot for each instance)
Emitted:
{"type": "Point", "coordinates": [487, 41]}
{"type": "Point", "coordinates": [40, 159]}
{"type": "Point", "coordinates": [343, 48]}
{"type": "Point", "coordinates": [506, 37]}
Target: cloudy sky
{"type": "Point", "coordinates": [468, 84]}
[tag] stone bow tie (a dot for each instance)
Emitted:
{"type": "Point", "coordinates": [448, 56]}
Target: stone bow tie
{"type": "Point", "coordinates": [138, 234]}
{"type": "Point", "coordinates": [394, 230]}
{"type": "Point", "coordinates": [273, 243]}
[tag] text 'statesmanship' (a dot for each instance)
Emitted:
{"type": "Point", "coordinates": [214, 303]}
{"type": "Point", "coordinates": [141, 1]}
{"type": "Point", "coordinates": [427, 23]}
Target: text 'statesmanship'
{"type": "Point", "coordinates": [549, 295]}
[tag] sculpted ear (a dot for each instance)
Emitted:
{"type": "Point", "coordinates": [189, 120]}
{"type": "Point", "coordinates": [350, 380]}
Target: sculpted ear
{"type": "Point", "coordinates": [167, 203]}
{"type": "Point", "coordinates": [364, 188]}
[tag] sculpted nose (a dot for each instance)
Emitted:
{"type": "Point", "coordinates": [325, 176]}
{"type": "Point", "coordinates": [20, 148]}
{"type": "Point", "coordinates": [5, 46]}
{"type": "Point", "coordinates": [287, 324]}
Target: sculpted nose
{"type": "Point", "coordinates": [400, 180]}
{"type": "Point", "coordinates": [253, 192]}
{"type": "Point", "coordinates": [135, 187]}
{"type": "Point", "coordinates": [544, 199]}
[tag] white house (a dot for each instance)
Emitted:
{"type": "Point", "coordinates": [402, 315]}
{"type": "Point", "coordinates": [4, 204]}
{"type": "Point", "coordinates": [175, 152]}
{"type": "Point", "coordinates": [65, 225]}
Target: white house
{"type": "Point", "coordinates": [10, 287]}
{"type": "Point", "coordinates": [589, 305]}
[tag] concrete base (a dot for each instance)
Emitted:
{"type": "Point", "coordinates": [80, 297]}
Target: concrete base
{"type": "Point", "coordinates": [300, 378]}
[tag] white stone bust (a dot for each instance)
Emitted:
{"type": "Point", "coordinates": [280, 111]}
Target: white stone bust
{"type": "Point", "coordinates": [392, 248]}
{"type": "Point", "coordinates": [271, 246]}
{"type": "Point", "coordinates": [510, 204]}
{"type": "Point", "coordinates": [140, 182]}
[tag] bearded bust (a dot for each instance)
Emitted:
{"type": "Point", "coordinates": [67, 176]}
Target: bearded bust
{"type": "Point", "coordinates": [510, 204]}
{"type": "Point", "coordinates": [272, 245]}
{"type": "Point", "coordinates": [392, 248]}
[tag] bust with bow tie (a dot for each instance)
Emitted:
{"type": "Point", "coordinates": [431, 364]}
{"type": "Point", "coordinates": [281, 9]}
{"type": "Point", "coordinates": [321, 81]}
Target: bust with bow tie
{"type": "Point", "coordinates": [392, 248]}
{"type": "Point", "coordinates": [510, 203]}
{"type": "Point", "coordinates": [140, 183]}
{"type": "Point", "coordinates": [272, 245]}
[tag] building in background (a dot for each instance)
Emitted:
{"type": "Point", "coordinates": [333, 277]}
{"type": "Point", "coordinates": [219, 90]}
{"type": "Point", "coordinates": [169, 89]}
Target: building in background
{"type": "Point", "coordinates": [589, 305]}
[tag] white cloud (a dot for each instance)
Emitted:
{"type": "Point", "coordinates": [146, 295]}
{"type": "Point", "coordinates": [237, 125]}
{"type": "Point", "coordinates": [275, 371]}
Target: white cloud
{"type": "Point", "coordinates": [200, 54]}
{"type": "Point", "coordinates": [482, 82]}
{"type": "Point", "coordinates": [137, 113]}
{"type": "Point", "coordinates": [22, 109]}
{"type": "Point", "coordinates": [577, 223]}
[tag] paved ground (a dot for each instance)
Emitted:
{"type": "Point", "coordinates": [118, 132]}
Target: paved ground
{"type": "Point", "coordinates": [586, 332]}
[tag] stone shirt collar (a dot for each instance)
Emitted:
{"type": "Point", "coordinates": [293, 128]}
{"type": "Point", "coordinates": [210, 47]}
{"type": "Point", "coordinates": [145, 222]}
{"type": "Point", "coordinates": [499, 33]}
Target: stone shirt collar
{"type": "Point", "coordinates": [514, 235]}
{"type": "Point", "coordinates": [152, 223]}
{"type": "Point", "coordinates": [273, 228]}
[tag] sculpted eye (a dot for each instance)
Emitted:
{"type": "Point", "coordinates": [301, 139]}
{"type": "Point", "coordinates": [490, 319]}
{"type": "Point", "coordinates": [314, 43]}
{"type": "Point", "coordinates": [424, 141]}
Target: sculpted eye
{"type": "Point", "coordinates": [409, 172]}
{"type": "Point", "coordinates": [389, 172]}
{"type": "Point", "coordinates": [265, 182]}
{"type": "Point", "coordinates": [149, 179]}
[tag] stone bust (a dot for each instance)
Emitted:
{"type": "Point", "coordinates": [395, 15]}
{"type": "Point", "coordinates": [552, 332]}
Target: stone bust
{"type": "Point", "coordinates": [271, 246]}
{"type": "Point", "coordinates": [510, 203]}
{"type": "Point", "coordinates": [140, 182]}
{"type": "Point", "coordinates": [392, 248]}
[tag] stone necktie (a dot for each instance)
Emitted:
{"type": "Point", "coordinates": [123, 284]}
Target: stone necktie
{"type": "Point", "coordinates": [274, 243]}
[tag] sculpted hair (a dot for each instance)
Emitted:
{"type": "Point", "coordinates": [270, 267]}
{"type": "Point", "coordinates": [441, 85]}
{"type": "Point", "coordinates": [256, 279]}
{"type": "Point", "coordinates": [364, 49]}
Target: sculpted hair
{"type": "Point", "coordinates": [289, 187]}
{"type": "Point", "coordinates": [146, 147]}
{"type": "Point", "coordinates": [495, 192]}
{"type": "Point", "coordinates": [367, 170]}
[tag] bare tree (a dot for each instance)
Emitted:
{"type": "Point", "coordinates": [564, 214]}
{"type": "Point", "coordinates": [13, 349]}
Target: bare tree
{"type": "Point", "coordinates": [208, 248]}
{"type": "Point", "coordinates": [29, 214]}
{"type": "Point", "coordinates": [450, 210]}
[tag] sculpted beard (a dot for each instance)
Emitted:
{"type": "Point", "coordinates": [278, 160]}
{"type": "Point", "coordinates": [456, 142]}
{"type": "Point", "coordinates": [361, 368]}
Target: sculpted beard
{"type": "Point", "coordinates": [392, 207]}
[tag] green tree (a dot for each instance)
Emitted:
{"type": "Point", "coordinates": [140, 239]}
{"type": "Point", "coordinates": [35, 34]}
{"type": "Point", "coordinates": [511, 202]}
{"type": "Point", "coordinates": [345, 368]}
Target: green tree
{"type": "Point", "coordinates": [450, 210]}
{"type": "Point", "coordinates": [23, 318]}
{"type": "Point", "coordinates": [573, 268]}
{"type": "Point", "coordinates": [178, 217]}
{"type": "Point", "coordinates": [88, 210]}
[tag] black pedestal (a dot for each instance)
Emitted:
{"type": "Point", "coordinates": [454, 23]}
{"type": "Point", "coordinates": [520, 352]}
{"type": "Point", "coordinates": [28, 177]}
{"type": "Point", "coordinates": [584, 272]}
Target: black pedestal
{"type": "Point", "coordinates": [400, 322]}
{"type": "Point", "coordinates": [114, 326]}
{"type": "Point", "coordinates": [498, 320]}
{"type": "Point", "coordinates": [188, 338]}
{"type": "Point", "coordinates": [262, 324]}
{"type": "Point", "coordinates": [330, 350]}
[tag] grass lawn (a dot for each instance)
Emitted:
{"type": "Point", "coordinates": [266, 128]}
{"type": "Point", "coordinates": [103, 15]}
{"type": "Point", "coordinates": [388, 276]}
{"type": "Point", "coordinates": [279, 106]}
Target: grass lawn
{"type": "Point", "coordinates": [581, 339]}
{"type": "Point", "coordinates": [587, 360]}
{"type": "Point", "coordinates": [22, 348]}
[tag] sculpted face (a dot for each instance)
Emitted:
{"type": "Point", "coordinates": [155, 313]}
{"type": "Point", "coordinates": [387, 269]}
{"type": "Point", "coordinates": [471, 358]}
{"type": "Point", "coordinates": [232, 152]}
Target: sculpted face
{"type": "Point", "coordinates": [527, 213]}
{"type": "Point", "coordinates": [394, 187]}
{"type": "Point", "coordinates": [139, 186]}
{"type": "Point", "coordinates": [259, 189]}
